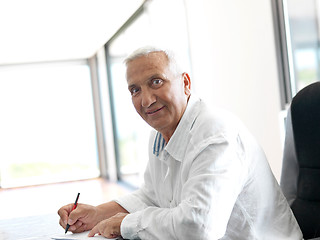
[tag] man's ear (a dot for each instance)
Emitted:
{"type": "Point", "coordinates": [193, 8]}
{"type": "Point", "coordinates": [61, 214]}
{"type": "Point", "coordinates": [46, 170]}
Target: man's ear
{"type": "Point", "coordinates": [186, 83]}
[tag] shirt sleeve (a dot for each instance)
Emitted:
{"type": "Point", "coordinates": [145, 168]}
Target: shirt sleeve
{"type": "Point", "coordinates": [144, 196]}
{"type": "Point", "coordinates": [213, 180]}
{"type": "Point", "coordinates": [141, 198]}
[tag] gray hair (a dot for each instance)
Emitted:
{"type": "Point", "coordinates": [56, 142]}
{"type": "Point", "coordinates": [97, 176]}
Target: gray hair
{"type": "Point", "coordinates": [144, 51]}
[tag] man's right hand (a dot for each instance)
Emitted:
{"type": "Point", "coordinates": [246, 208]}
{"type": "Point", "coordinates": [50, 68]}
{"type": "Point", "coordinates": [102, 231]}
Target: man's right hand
{"type": "Point", "coordinates": [83, 218]}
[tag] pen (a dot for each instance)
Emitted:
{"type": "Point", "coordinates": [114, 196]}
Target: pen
{"type": "Point", "coordinates": [73, 208]}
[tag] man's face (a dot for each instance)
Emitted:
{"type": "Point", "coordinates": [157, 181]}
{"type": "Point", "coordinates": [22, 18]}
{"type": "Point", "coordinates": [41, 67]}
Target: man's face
{"type": "Point", "coordinates": [158, 95]}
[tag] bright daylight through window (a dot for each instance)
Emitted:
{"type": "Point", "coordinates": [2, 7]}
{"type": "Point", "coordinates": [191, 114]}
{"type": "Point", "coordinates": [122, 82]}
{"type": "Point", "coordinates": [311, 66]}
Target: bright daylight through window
{"type": "Point", "coordinates": [47, 124]}
{"type": "Point", "coordinates": [302, 34]}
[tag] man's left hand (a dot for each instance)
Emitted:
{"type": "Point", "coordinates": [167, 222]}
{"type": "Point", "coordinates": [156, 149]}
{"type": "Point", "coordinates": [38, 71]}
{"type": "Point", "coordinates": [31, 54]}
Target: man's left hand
{"type": "Point", "coordinates": [109, 228]}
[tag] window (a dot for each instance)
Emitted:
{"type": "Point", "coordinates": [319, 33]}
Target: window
{"type": "Point", "coordinates": [47, 124]}
{"type": "Point", "coordinates": [298, 23]}
{"type": "Point", "coordinates": [131, 133]}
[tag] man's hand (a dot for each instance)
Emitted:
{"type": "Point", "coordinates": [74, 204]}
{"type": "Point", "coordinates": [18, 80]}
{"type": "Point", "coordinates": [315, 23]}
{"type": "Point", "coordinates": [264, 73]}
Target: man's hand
{"type": "Point", "coordinates": [83, 218]}
{"type": "Point", "coordinates": [109, 228]}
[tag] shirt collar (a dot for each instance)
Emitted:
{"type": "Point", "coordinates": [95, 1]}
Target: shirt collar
{"type": "Point", "coordinates": [158, 144]}
{"type": "Point", "coordinates": [178, 142]}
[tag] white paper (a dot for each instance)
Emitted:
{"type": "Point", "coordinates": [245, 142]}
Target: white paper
{"type": "Point", "coordinates": [79, 236]}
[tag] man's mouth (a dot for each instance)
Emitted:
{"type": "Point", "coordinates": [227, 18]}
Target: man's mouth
{"type": "Point", "coordinates": [154, 111]}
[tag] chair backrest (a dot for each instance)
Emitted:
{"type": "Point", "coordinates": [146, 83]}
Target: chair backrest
{"type": "Point", "coordinates": [300, 178]}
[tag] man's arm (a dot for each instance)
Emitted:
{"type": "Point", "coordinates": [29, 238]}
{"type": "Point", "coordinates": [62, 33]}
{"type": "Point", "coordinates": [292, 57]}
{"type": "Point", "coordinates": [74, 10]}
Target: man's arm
{"type": "Point", "coordinates": [110, 209]}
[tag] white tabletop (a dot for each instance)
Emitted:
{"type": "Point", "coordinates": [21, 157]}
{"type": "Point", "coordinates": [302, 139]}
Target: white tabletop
{"type": "Point", "coordinates": [41, 227]}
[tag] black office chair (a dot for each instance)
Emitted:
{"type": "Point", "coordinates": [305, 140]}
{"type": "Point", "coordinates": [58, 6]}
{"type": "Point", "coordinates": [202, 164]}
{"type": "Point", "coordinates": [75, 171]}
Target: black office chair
{"type": "Point", "coordinates": [300, 177]}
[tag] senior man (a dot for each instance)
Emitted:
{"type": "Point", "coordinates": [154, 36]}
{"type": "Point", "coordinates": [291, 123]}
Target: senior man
{"type": "Point", "coordinates": [206, 178]}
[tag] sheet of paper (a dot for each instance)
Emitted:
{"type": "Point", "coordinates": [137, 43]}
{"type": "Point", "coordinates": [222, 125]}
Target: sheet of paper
{"type": "Point", "coordinates": [80, 236]}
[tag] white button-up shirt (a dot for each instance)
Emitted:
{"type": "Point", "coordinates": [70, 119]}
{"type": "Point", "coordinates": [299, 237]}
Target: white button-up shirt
{"type": "Point", "coordinates": [211, 181]}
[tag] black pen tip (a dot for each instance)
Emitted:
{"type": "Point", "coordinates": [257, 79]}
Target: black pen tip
{"type": "Point", "coordinates": [67, 228]}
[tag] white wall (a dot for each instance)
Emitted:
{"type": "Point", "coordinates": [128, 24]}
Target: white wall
{"type": "Point", "coordinates": [233, 54]}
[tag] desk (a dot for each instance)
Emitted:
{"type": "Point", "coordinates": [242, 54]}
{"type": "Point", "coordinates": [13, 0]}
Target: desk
{"type": "Point", "coordinates": [32, 227]}
{"type": "Point", "coordinates": [41, 227]}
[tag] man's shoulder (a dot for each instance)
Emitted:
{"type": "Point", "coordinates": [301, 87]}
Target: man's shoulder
{"type": "Point", "coordinates": [215, 121]}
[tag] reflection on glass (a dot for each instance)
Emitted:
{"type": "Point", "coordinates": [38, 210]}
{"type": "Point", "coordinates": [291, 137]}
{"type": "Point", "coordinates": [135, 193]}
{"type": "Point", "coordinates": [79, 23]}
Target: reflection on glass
{"type": "Point", "coordinates": [47, 124]}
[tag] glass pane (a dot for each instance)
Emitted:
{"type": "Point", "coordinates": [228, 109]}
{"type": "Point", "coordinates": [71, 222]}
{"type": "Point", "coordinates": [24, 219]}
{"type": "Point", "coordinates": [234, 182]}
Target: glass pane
{"type": "Point", "coordinates": [47, 124]}
{"type": "Point", "coordinates": [131, 132]}
{"type": "Point", "coordinates": [302, 21]}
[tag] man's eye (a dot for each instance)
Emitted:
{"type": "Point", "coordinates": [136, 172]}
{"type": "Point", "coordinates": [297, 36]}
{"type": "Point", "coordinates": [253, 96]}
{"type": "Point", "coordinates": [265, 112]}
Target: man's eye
{"type": "Point", "coordinates": [156, 82]}
{"type": "Point", "coordinates": [134, 91]}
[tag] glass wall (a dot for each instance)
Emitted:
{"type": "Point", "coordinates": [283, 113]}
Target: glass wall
{"type": "Point", "coordinates": [155, 23]}
{"type": "Point", "coordinates": [47, 124]}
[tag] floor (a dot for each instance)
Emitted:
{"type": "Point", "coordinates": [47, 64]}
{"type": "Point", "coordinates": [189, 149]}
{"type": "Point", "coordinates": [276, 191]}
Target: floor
{"type": "Point", "coordinates": [44, 199]}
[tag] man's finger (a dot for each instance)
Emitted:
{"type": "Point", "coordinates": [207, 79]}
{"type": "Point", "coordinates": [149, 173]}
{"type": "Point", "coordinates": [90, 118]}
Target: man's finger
{"type": "Point", "coordinates": [62, 223]}
{"type": "Point", "coordinates": [63, 212]}
{"type": "Point", "coordinates": [74, 216]}
{"type": "Point", "coordinates": [93, 231]}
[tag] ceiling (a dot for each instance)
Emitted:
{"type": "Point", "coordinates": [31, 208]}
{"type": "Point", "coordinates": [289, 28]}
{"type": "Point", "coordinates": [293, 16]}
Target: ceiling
{"type": "Point", "coordinates": [53, 30]}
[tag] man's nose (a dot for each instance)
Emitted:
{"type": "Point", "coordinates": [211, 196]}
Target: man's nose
{"type": "Point", "coordinates": [147, 98]}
